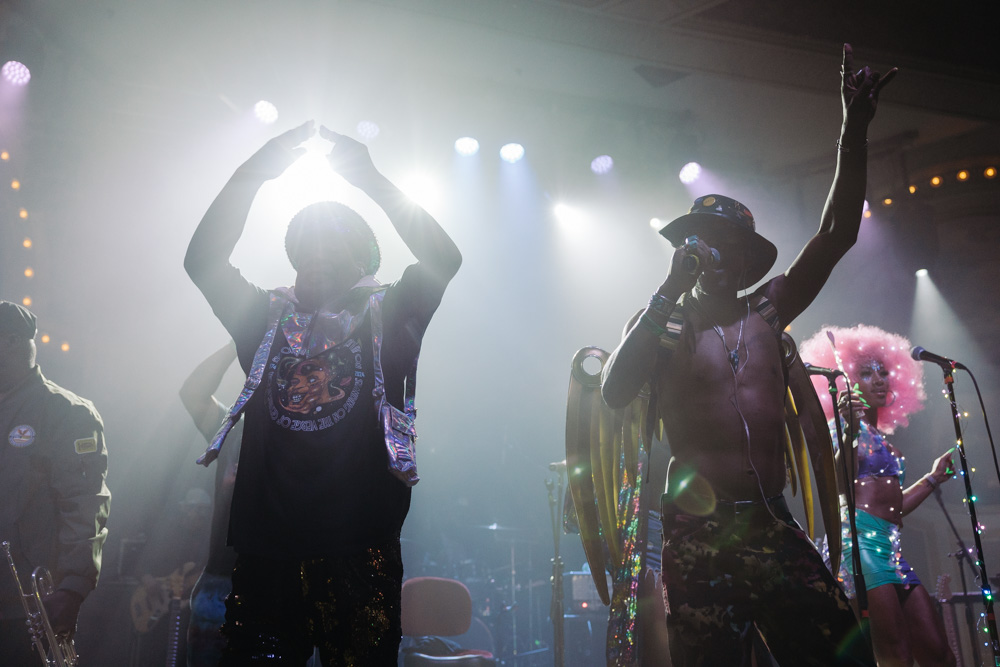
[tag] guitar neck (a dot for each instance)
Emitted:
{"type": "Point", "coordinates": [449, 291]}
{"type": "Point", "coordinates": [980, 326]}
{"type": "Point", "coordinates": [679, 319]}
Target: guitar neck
{"type": "Point", "coordinates": [174, 634]}
{"type": "Point", "coordinates": [943, 594]}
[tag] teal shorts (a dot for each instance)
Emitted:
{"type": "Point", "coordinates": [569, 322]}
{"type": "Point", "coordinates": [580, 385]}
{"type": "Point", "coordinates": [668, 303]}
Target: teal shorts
{"type": "Point", "coordinates": [882, 561]}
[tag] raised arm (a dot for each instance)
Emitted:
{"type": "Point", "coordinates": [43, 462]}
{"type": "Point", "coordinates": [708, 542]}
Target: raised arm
{"type": "Point", "coordinates": [916, 493]}
{"type": "Point", "coordinates": [838, 230]}
{"type": "Point", "coordinates": [197, 391]}
{"type": "Point", "coordinates": [207, 257]}
{"type": "Point", "coordinates": [421, 233]}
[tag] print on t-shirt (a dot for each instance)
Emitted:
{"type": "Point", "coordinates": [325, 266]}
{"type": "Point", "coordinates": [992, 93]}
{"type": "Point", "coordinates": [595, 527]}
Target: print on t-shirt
{"type": "Point", "coordinates": [312, 394]}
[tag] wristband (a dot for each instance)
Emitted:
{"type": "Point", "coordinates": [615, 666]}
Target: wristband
{"type": "Point", "coordinates": [650, 325]}
{"type": "Point", "coordinates": [847, 149]}
{"type": "Point", "coordinates": [662, 305]}
{"type": "Point", "coordinates": [930, 480]}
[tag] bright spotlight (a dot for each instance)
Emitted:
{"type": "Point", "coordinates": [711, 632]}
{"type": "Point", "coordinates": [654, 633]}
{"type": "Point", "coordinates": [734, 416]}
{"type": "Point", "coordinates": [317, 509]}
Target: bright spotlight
{"type": "Point", "coordinates": [15, 73]}
{"type": "Point", "coordinates": [602, 164]}
{"type": "Point", "coordinates": [367, 130]}
{"type": "Point", "coordinates": [422, 189]}
{"type": "Point", "coordinates": [466, 146]}
{"type": "Point", "coordinates": [921, 273]}
{"type": "Point", "coordinates": [266, 112]}
{"type": "Point", "coordinates": [656, 224]}
{"type": "Point", "coordinates": [690, 173]}
{"type": "Point", "coordinates": [511, 152]}
{"type": "Point", "coordinates": [567, 214]}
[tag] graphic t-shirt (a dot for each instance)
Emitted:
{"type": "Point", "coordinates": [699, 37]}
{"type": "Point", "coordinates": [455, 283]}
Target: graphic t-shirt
{"type": "Point", "coordinates": [313, 476]}
{"type": "Point", "coordinates": [313, 469]}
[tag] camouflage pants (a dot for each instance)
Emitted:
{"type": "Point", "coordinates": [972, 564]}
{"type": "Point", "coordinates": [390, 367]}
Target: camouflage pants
{"type": "Point", "coordinates": [740, 571]}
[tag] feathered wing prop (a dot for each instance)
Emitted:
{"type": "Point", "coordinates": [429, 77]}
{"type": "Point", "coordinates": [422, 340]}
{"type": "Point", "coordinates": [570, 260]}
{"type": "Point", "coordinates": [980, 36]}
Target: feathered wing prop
{"type": "Point", "coordinates": [606, 454]}
{"type": "Point", "coordinates": [807, 438]}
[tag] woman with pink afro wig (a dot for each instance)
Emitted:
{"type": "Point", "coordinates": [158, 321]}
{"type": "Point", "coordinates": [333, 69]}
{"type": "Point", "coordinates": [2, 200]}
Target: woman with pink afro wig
{"type": "Point", "coordinates": [858, 346]}
{"type": "Point", "coordinates": [888, 385]}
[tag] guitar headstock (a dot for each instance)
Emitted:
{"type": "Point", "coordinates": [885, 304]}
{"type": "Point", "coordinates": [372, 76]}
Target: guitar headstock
{"type": "Point", "coordinates": [942, 590]}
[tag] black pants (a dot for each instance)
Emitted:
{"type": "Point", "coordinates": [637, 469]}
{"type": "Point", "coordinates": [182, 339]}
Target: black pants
{"type": "Point", "coordinates": [348, 606]}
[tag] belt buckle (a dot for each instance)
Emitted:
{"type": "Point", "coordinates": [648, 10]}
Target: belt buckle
{"type": "Point", "coordinates": [743, 508]}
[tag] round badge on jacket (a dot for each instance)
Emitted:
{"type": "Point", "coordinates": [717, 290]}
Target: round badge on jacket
{"type": "Point", "coordinates": [21, 436]}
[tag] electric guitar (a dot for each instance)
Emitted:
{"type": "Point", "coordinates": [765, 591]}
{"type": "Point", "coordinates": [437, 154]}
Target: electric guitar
{"type": "Point", "coordinates": [942, 594]}
{"type": "Point", "coordinates": [150, 603]}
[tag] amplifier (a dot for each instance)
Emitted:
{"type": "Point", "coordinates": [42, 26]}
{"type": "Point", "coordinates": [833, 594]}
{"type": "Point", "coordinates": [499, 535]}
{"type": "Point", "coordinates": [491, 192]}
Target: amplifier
{"type": "Point", "coordinates": [581, 593]}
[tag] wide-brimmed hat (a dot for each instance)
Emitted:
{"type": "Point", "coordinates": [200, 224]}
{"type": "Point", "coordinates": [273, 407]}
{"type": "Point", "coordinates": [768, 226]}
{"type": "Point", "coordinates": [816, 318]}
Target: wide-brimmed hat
{"type": "Point", "coordinates": [728, 216]}
{"type": "Point", "coordinates": [16, 320]}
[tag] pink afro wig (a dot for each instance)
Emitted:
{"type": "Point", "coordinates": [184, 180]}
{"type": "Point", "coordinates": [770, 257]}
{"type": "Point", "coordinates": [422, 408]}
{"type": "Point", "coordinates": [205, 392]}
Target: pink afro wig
{"type": "Point", "coordinates": [861, 344]}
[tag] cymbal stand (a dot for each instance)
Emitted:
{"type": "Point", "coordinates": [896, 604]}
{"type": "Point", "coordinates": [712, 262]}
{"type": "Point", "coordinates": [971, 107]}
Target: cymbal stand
{"type": "Point", "coordinates": [557, 611]}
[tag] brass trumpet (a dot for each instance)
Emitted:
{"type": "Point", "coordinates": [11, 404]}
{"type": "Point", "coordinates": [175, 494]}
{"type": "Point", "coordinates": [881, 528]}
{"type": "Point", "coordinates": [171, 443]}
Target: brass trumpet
{"type": "Point", "coordinates": [61, 652]}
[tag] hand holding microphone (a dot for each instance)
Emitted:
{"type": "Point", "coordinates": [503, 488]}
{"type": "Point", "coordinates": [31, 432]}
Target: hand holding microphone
{"type": "Point", "coordinates": [689, 260]}
{"type": "Point", "coordinates": [692, 262]}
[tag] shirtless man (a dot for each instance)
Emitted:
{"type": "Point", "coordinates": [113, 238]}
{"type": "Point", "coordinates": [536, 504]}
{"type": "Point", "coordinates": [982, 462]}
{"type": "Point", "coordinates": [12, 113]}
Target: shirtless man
{"type": "Point", "coordinates": [735, 562]}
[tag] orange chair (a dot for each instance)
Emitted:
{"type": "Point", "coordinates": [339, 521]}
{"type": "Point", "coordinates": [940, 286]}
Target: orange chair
{"type": "Point", "coordinates": [432, 606]}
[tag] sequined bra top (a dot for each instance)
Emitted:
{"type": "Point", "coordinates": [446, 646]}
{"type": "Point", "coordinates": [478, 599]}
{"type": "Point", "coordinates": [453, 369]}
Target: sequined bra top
{"type": "Point", "coordinates": [875, 458]}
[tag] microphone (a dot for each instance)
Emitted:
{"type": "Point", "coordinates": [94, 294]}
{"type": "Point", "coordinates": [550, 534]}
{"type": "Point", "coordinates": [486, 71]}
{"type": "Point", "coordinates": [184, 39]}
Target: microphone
{"type": "Point", "coordinates": [828, 373]}
{"type": "Point", "coordinates": [920, 354]}
{"type": "Point", "coordinates": [691, 263]}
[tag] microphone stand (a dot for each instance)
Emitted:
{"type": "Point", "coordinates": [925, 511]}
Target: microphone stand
{"type": "Point", "coordinates": [557, 610]}
{"type": "Point", "coordinates": [847, 451]}
{"type": "Point", "coordinates": [963, 558]}
{"type": "Point", "coordinates": [991, 619]}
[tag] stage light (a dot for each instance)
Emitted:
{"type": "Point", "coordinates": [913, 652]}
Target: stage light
{"type": "Point", "coordinates": [421, 188]}
{"type": "Point", "coordinates": [920, 273]}
{"type": "Point", "coordinates": [15, 184]}
{"type": "Point", "coordinates": [936, 181]}
{"type": "Point", "coordinates": [887, 201]}
{"type": "Point", "coordinates": [45, 338]}
{"type": "Point", "coordinates": [23, 213]}
{"type": "Point", "coordinates": [4, 155]}
{"type": "Point", "coordinates": [26, 301]}
{"type": "Point", "coordinates": [29, 272]}
{"type": "Point", "coordinates": [367, 130]}
{"type": "Point", "coordinates": [962, 175]}
{"type": "Point", "coordinates": [602, 164]}
{"type": "Point", "coordinates": [567, 214]}
{"type": "Point", "coordinates": [913, 189]}
{"type": "Point", "coordinates": [466, 146]}
{"type": "Point", "coordinates": [865, 207]}
{"type": "Point", "coordinates": [656, 224]}
{"type": "Point", "coordinates": [990, 172]}
{"type": "Point", "coordinates": [511, 152]}
{"type": "Point", "coordinates": [26, 242]}
{"type": "Point", "coordinates": [866, 214]}
{"type": "Point", "coordinates": [64, 347]}
{"type": "Point", "coordinates": [15, 73]}
{"type": "Point", "coordinates": [690, 173]}
{"type": "Point", "coordinates": [266, 112]}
